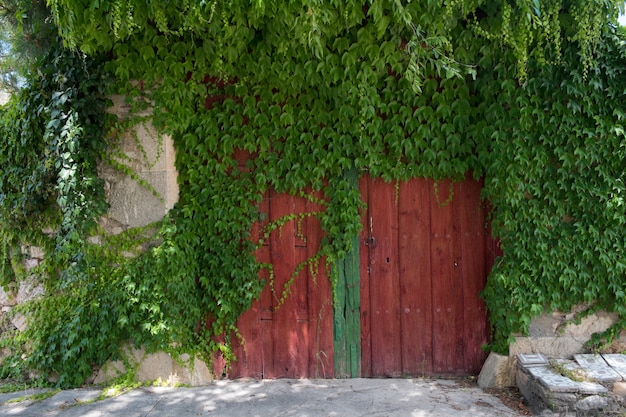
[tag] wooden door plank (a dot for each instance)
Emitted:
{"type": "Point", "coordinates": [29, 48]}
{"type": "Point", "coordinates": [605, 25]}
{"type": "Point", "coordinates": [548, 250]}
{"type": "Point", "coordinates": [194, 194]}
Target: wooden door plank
{"type": "Point", "coordinates": [248, 350]}
{"type": "Point", "coordinates": [282, 242]}
{"type": "Point", "coordinates": [415, 277]}
{"type": "Point", "coordinates": [364, 250]}
{"type": "Point", "coordinates": [301, 322]}
{"type": "Point", "coordinates": [254, 352]}
{"type": "Point", "coordinates": [266, 313]}
{"type": "Point", "coordinates": [458, 275]}
{"type": "Point", "coordinates": [346, 314]}
{"type": "Point", "coordinates": [471, 220]}
{"type": "Point", "coordinates": [321, 350]}
{"type": "Point", "coordinates": [266, 319]}
{"type": "Point", "coordinates": [445, 291]}
{"type": "Point", "coordinates": [385, 307]}
{"type": "Point", "coordinates": [300, 291]}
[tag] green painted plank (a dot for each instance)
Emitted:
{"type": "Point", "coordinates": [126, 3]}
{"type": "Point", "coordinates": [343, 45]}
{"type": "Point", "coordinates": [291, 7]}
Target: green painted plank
{"type": "Point", "coordinates": [346, 314]}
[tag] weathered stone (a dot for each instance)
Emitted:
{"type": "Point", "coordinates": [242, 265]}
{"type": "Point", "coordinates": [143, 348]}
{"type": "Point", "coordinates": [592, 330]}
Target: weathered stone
{"type": "Point", "coordinates": [551, 347]}
{"type": "Point", "coordinates": [7, 298]}
{"type": "Point", "coordinates": [593, 402]}
{"type": "Point", "coordinates": [29, 289]}
{"type": "Point", "coordinates": [619, 388]}
{"type": "Point", "coordinates": [31, 263]}
{"type": "Point", "coordinates": [617, 362]}
{"type": "Point", "coordinates": [559, 400]}
{"type": "Point", "coordinates": [596, 368]}
{"type": "Point", "coordinates": [553, 381]}
{"type": "Point", "coordinates": [544, 325]}
{"type": "Point", "coordinates": [36, 252]}
{"type": "Point", "coordinates": [497, 372]}
{"type": "Point", "coordinates": [95, 240]}
{"type": "Point", "coordinates": [196, 375]}
{"type": "Point", "coordinates": [539, 397]}
{"type": "Point", "coordinates": [523, 383]}
{"type": "Point", "coordinates": [156, 366]}
{"type": "Point", "coordinates": [19, 321]}
{"type": "Point", "coordinates": [134, 205]}
{"type": "Point", "coordinates": [594, 323]}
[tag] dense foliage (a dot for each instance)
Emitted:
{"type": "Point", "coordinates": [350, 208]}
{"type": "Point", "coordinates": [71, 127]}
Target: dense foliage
{"type": "Point", "coordinates": [310, 90]}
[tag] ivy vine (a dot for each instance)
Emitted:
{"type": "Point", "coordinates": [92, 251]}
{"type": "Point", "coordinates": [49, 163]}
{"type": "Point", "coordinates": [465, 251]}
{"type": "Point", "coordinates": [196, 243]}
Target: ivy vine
{"type": "Point", "coordinates": [310, 90]}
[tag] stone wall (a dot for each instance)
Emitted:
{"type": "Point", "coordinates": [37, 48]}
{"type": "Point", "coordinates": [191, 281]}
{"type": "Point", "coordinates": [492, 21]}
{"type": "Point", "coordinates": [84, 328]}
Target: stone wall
{"type": "Point", "coordinates": [152, 158]}
{"type": "Point", "coordinates": [19, 293]}
{"type": "Point", "coordinates": [588, 385]}
{"type": "Point", "coordinates": [553, 335]}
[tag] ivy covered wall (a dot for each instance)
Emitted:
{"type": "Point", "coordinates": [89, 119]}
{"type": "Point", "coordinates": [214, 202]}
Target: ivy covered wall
{"type": "Point", "coordinates": [311, 89]}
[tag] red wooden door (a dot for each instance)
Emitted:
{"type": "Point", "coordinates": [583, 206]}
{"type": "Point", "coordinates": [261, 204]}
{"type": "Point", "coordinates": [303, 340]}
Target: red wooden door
{"type": "Point", "coordinates": [287, 335]}
{"type": "Point", "coordinates": [424, 260]}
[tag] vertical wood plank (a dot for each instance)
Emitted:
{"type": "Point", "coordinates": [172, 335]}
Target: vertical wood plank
{"type": "Point", "coordinates": [353, 302]}
{"type": "Point", "coordinates": [415, 277]}
{"type": "Point", "coordinates": [266, 319]}
{"type": "Point", "coordinates": [300, 294]}
{"type": "Point", "coordinates": [248, 353]}
{"type": "Point", "coordinates": [340, 326]}
{"type": "Point", "coordinates": [346, 309]}
{"type": "Point", "coordinates": [458, 275]}
{"type": "Point", "coordinates": [385, 318]}
{"type": "Point", "coordinates": [445, 291]}
{"type": "Point", "coordinates": [282, 242]}
{"type": "Point", "coordinates": [471, 219]}
{"type": "Point", "coordinates": [321, 353]}
{"type": "Point", "coordinates": [365, 248]}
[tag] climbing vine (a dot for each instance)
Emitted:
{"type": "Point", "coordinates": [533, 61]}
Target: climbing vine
{"type": "Point", "coordinates": [514, 91]}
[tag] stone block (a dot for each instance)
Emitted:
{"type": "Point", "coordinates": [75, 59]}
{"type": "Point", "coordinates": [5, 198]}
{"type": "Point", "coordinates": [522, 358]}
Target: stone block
{"type": "Point", "coordinates": [108, 372]}
{"type": "Point", "coordinates": [559, 401]}
{"type": "Point", "coordinates": [497, 372]}
{"type": "Point", "coordinates": [19, 321]}
{"type": "Point", "coordinates": [155, 366]}
{"type": "Point", "coordinates": [31, 263]}
{"type": "Point", "coordinates": [539, 397]}
{"type": "Point", "coordinates": [133, 205]}
{"type": "Point", "coordinates": [550, 347]}
{"type": "Point", "coordinates": [195, 374]}
{"type": "Point", "coordinates": [591, 403]}
{"type": "Point", "coordinates": [545, 325]}
{"type": "Point", "coordinates": [619, 388]}
{"type": "Point", "coordinates": [7, 298]}
{"type": "Point", "coordinates": [36, 252]}
{"type": "Point", "coordinates": [553, 381]}
{"type": "Point", "coordinates": [594, 323]}
{"type": "Point", "coordinates": [29, 288]}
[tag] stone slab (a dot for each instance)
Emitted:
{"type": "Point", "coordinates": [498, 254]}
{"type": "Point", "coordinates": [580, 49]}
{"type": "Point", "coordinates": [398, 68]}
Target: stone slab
{"type": "Point", "coordinates": [553, 381]}
{"type": "Point", "coordinates": [596, 368]}
{"type": "Point", "coordinates": [617, 361]}
{"type": "Point", "coordinates": [529, 360]}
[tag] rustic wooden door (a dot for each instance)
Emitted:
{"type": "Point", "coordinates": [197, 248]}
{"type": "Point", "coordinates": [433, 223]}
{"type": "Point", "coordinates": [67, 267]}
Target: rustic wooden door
{"type": "Point", "coordinates": [423, 263]}
{"type": "Point", "coordinates": [407, 298]}
{"type": "Point", "coordinates": [288, 331]}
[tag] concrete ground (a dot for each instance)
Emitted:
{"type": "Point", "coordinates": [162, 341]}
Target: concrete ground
{"type": "Point", "coordinates": [303, 398]}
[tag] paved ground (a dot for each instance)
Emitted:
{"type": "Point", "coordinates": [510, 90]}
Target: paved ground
{"type": "Point", "coordinates": [303, 398]}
